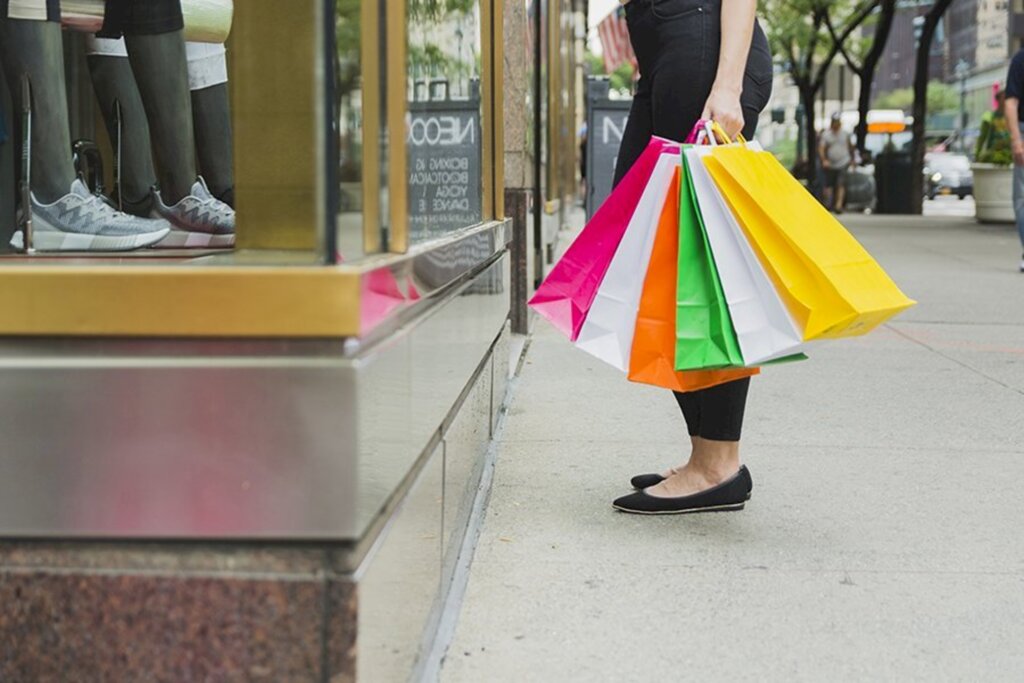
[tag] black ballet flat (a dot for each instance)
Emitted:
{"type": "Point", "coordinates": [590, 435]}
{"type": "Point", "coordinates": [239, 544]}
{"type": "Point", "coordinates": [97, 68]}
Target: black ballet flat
{"type": "Point", "coordinates": [731, 494]}
{"type": "Point", "coordinates": [643, 481]}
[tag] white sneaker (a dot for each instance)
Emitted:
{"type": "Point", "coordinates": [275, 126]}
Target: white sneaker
{"type": "Point", "coordinates": [82, 221]}
{"type": "Point", "coordinates": [199, 220]}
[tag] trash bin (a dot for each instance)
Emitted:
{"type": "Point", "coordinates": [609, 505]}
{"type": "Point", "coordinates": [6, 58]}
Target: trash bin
{"type": "Point", "coordinates": [893, 184]}
{"type": "Point", "coordinates": [606, 122]}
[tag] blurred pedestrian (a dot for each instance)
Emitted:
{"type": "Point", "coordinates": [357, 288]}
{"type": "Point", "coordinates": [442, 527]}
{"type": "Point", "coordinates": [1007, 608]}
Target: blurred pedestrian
{"type": "Point", "coordinates": [836, 152]}
{"type": "Point", "coordinates": [1014, 94]}
{"type": "Point", "coordinates": [699, 59]}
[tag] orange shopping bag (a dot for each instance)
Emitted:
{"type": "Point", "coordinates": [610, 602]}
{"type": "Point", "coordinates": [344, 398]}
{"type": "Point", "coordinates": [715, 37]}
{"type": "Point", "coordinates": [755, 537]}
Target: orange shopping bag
{"type": "Point", "coordinates": [652, 357]}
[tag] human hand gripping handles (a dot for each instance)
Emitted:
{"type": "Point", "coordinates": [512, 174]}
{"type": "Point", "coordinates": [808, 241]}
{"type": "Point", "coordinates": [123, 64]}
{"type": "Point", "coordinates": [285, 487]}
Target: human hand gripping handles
{"type": "Point", "coordinates": [707, 131]}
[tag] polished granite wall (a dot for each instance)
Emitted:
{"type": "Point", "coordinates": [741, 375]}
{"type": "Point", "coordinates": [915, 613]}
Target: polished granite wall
{"type": "Point", "coordinates": [516, 90]}
{"type": "Point", "coordinates": [106, 612]}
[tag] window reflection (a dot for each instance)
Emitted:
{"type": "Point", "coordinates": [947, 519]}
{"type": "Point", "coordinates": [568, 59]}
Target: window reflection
{"type": "Point", "coordinates": [444, 132]}
{"type": "Point", "coordinates": [349, 132]}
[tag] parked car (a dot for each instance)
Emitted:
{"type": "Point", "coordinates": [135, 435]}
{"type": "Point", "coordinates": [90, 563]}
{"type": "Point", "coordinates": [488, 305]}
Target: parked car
{"type": "Point", "coordinates": [947, 173]}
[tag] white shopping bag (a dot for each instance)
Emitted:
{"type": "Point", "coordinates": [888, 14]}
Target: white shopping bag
{"type": "Point", "coordinates": [764, 328]}
{"type": "Point", "coordinates": [607, 332]}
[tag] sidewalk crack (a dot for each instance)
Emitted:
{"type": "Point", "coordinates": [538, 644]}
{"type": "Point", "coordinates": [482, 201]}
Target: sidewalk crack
{"type": "Point", "coordinates": [959, 362]}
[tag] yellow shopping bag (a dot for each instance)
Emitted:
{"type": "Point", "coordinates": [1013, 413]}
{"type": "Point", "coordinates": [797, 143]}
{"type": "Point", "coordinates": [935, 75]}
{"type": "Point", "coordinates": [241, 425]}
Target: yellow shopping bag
{"type": "Point", "coordinates": [830, 283]}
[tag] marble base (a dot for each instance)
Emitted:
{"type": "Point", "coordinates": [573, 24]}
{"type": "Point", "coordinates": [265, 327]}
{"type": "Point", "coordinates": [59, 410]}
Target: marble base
{"type": "Point", "coordinates": [64, 618]}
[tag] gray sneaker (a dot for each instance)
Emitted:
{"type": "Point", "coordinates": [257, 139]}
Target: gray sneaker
{"type": "Point", "coordinates": [83, 221]}
{"type": "Point", "coordinates": [198, 220]}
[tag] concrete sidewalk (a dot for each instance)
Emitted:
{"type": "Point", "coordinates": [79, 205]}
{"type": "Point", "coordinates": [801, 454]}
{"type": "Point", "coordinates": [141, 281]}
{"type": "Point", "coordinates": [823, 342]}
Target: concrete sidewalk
{"type": "Point", "coordinates": [883, 540]}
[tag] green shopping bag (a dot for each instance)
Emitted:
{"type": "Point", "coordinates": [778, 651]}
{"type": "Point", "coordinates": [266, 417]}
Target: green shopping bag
{"type": "Point", "coordinates": [704, 334]}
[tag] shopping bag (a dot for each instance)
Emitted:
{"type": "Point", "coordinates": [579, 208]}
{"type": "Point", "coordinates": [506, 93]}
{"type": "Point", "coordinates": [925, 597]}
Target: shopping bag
{"type": "Point", "coordinates": [704, 334]}
{"type": "Point", "coordinates": [607, 331]}
{"type": "Point", "coordinates": [765, 330]}
{"type": "Point", "coordinates": [829, 282]}
{"type": "Point", "coordinates": [565, 296]}
{"type": "Point", "coordinates": [652, 357]}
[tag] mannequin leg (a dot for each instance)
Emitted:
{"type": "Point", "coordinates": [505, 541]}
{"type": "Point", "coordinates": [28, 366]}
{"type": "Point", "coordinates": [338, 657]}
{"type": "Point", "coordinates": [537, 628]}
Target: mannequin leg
{"type": "Point", "coordinates": [212, 116]}
{"type": "Point", "coordinates": [154, 36]}
{"type": "Point", "coordinates": [35, 48]}
{"type": "Point", "coordinates": [158, 62]}
{"type": "Point", "coordinates": [113, 81]}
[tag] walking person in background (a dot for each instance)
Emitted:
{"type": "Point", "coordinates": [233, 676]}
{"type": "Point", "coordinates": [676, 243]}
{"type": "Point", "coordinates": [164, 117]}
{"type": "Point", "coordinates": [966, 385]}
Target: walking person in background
{"type": "Point", "coordinates": [698, 59]}
{"type": "Point", "coordinates": [836, 153]}
{"type": "Point", "coordinates": [1014, 94]}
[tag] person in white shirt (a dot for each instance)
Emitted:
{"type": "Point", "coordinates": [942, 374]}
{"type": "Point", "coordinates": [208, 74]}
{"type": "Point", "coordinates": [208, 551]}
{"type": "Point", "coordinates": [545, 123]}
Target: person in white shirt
{"type": "Point", "coordinates": [836, 153]}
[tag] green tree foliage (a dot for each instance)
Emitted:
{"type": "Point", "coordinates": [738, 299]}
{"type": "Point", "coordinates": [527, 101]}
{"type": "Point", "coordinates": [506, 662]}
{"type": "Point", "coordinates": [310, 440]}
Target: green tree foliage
{"type": "Point", "coordinates": [807, 35]}
{"type": "Point", "coordinates": [435, 10]}
{"type": "Point", "coordinates": [620, 80]}
{"type": "Point", "coordinates": [941, 98]}
{"type": "Point", "coordinates": [862, 56]}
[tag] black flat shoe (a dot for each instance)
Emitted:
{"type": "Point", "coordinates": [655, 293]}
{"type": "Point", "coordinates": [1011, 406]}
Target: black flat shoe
{"type": "Point", "coordinates": [731, 494]}
{"type": "Point", "coordinates": [643, 481]}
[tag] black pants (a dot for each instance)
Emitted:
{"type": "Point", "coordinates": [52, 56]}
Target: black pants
{"type": "Point", "coordinates": [677, 45]}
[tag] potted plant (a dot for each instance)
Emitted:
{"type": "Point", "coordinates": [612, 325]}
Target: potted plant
{"type": "Point", "coordinates": [993, 186]}
{"type": "Point", "coordinates": [993, 167]}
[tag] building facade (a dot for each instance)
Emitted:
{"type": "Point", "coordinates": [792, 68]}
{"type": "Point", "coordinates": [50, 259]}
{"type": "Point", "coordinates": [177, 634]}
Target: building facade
{"type": "Point", "coordinates": [294, 432]}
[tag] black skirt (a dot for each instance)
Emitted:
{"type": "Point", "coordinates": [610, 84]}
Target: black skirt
{"type": "Point", "coordinates": [141, 18]}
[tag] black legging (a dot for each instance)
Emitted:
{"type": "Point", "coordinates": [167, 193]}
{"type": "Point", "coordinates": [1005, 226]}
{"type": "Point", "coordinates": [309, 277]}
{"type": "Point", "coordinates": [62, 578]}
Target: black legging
{"type": "Point", "coordinates": [676, 44]}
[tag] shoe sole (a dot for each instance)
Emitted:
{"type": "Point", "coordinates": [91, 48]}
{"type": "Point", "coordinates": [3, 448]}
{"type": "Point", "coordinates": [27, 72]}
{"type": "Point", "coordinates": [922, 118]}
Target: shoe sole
{"type": "Point", "coordinates": [636, 489]}
{"type": "Point", "coordinates": [183, 239]}
{"type": "Point", "coordinates": [714, 508]}
{"type": "Point", "coordinates": [53, 240]}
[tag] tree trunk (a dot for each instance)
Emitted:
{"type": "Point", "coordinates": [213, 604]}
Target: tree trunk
{"type": "Point", "coordinates": [867, 73]}
{"type": "Point", "coordinates": [921, 102]}
{"type": "Point", "coordinates": [807, 97]}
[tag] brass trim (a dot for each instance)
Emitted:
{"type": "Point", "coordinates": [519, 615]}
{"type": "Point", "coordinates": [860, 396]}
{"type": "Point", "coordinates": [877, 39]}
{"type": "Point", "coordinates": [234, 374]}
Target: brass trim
{"type": "Point", "coordinates": [182, 301]}
{"type": "Point", "coordinates": [370, 67]}
{"type": "Point", "coordinates": [488, 115]}
{"type": "Point", "coordinates": [277, 107]}
{"type": "Point", "coordinates": [397, 110]}
{"type": "Point", "coordinates": [498, 139]}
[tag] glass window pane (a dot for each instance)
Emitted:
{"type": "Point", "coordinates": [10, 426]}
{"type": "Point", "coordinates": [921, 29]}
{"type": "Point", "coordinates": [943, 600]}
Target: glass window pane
{"type": "Point", "coordinates": [141, 146]}
{"type": "Point", "coordinates": [349, 111]}
{"type": "Point", "coordinates": [444, 128]}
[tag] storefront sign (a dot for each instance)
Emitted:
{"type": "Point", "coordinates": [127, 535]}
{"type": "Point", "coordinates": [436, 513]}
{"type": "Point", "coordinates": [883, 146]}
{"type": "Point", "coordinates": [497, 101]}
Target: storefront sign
{"type": "Point", "coordinates": [445, 177]}
{"type": "Point", "coordinates": [606, 122]}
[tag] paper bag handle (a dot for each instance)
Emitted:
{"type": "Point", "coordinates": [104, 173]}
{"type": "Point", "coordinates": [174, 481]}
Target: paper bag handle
{"type": "Point", "coordinates": [694, 136]}
{"type": "Point", "coordinates": [715, 128]}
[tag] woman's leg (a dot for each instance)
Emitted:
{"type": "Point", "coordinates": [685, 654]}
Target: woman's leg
{"type": "Point", "coordinates": [714, 416]}
{"type": "Point", "coordinates": [637, 133]}
{"type": "Point", "coordinates": [715, 420]}
{"type": "Point", "coordinates": [639, 129]}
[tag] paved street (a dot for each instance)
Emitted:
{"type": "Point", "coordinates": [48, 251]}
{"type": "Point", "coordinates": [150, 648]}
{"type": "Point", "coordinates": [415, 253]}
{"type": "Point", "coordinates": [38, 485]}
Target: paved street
{"type": "Point", "coordinates": [883, 538]}
{"type": "Point", "coordinates": [949, 206]}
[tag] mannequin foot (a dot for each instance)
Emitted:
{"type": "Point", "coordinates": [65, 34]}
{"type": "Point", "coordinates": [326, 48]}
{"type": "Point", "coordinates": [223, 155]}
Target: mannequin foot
{"type": "Point", "coordinates": [83, 221]}
{"type": "Point", "coordinates": [198, 220]}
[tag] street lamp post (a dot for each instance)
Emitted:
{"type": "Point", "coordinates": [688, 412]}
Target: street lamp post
{"type": "Point", "coordinates": [961, 71]}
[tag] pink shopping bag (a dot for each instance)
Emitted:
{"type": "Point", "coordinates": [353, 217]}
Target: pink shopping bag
{"type": "Point", "coordinates": [568, 292]}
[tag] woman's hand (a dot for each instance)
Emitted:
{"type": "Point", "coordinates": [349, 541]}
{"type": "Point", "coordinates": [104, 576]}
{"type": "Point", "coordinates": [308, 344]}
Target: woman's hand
{"type": "Point", "coordinates": [723, 106]}
{"type": "Point", "coordinates": [1018, 152]}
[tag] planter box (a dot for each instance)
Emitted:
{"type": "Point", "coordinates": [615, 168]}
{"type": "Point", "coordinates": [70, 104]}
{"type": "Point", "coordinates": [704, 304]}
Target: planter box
{"type": "Point", "coordinates": [993, 193]}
